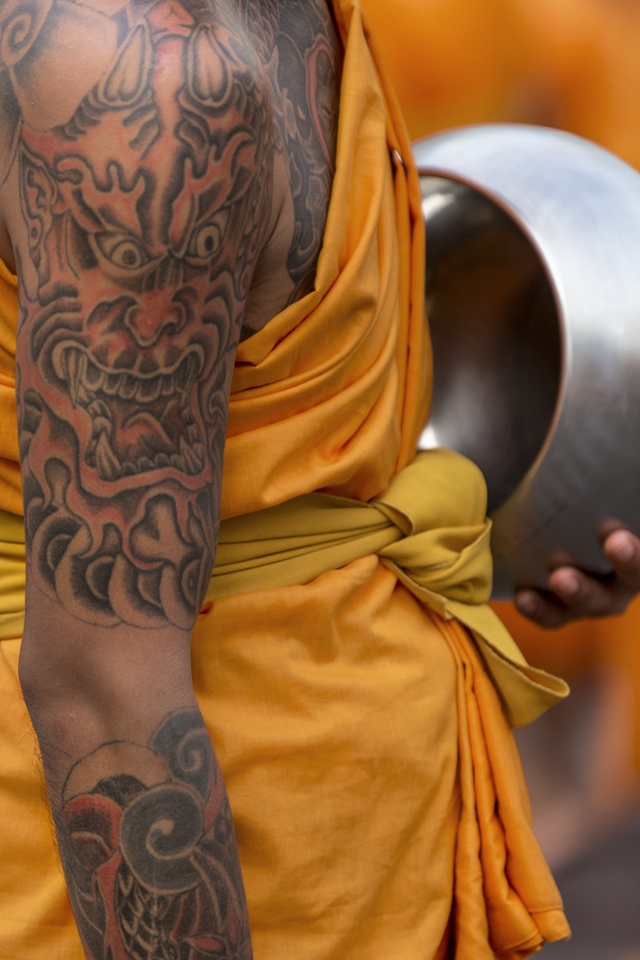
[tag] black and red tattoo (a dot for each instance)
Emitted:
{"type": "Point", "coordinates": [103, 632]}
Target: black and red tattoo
{"type": "Point", "coordinates": [146, 213]}
{"type": "Point", "coordinates": [144, 216]}
{"type": "Point", "coordinates": [146, 141]}
{"type": "Point", "coordinates": [150, 852]}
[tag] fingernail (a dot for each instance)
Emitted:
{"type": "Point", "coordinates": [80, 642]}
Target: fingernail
{"type": "Point", "coordinates": [621, 547]}
{"type": "Point", "coordinates": [566, 583]}
{"type": "Point", "coordinates": [526, 602]}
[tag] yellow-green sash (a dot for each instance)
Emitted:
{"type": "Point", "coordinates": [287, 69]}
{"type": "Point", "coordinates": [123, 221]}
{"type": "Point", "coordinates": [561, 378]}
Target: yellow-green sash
{"type": "Point", "coordinates": [429, 528]}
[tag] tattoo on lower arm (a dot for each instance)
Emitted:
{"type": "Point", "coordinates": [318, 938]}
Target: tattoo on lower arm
{"type": "Point", "coordinates": [149, 850]}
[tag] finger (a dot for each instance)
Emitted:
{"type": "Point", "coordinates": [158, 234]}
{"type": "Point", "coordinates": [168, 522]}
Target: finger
{"type": "Point", "coordinates": [585, 596]}
{"type": "Point", "coordinates": [623, 552]}
{"type": "Point", "coordinates": [544, 609]}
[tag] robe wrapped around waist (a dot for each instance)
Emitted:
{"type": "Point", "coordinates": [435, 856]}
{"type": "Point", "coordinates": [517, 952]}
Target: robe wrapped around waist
{"type": "Point", "coordinates": [359, 693]}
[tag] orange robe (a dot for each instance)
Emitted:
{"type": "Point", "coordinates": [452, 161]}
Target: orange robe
{"type": "Point", "coordinates": [376, 790]}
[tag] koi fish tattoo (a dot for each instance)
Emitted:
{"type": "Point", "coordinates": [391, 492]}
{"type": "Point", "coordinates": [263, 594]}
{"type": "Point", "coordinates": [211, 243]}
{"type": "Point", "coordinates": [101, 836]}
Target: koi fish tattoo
{"type": "Point", "coordinates": [150, 850]}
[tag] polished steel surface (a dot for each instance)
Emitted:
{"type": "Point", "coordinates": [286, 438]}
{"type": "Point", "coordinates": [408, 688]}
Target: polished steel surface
{"type": "Point", "coordinates": [533, 294]}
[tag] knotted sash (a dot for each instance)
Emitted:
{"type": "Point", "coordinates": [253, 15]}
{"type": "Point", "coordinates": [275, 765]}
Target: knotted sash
{"type": "Point", "coordinates": [429, 528]}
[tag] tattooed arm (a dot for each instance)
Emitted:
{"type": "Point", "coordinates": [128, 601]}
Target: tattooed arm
{"type": "Point", "coordinates": [165, 169]}
{"type": "Point", "coordinates": [138, 193]}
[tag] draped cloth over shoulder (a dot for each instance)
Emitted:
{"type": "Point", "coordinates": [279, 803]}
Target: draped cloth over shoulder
{"type": "Point", "coordinates": [376, 790]}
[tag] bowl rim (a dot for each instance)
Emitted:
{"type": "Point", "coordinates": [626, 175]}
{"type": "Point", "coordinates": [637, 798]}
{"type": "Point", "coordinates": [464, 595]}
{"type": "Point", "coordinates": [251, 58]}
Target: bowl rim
{"type": "Point", "coordinates": [445, 174]}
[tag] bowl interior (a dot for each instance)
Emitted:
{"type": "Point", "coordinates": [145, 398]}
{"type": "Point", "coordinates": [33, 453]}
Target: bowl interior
{"type": "Point", "coordinates": [496, 332]}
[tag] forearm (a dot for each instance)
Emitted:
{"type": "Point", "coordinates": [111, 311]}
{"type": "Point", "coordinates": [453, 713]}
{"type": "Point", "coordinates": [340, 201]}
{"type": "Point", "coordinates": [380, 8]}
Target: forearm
{"type": "Point", "coordinates": [144, 828]}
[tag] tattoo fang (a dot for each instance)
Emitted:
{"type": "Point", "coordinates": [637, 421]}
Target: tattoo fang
{"type": "Point", "coordinates": [150, 850]}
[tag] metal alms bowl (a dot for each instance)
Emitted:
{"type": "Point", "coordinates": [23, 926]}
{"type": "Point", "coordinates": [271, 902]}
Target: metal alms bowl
{"type": "Point", "coordinates": [533, 297]}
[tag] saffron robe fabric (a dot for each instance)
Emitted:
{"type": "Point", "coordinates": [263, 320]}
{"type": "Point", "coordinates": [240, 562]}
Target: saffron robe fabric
{"type": "Point", "coordinates": [377, 795]}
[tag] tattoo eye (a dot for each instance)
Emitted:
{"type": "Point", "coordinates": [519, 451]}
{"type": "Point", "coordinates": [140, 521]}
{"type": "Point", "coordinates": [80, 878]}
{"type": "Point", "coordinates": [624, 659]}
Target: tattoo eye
{"type": "Point", "coordinates": [122, 250]}
{"type": "Point", "coordinates": [206, 241]}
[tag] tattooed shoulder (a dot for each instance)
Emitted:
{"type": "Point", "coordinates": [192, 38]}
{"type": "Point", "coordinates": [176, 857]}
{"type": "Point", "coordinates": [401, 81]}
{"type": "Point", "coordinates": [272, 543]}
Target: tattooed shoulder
{"type": "Point", "coordinates": [145, 192]}
{"type": "Point", "coordinates": [154, 181]}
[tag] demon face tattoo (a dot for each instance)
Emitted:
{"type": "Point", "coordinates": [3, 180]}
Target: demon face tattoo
{"type": "Point", "coordinates": [145, 215]}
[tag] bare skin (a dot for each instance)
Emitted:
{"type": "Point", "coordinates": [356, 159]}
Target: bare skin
{"type": "Point", "coordinates": [162, 199]}
{"type": "Point", "coordinates": [573, 594]}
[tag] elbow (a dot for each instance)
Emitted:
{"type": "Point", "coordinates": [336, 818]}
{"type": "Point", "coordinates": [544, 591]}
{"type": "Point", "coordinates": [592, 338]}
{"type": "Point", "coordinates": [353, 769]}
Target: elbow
{"type": "Point", "coordinates": [102, 678]}
{"type": "Point", "coordinates": [32, 676]}
{"type": "Point", "coordinates": [57, 677]}
{"type": "Point", "coordinates": [42, 680]}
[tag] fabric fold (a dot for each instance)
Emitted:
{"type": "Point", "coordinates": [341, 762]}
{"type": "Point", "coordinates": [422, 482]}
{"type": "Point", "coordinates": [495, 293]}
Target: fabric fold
{"type": "Point", "coordinates": [497, 852]}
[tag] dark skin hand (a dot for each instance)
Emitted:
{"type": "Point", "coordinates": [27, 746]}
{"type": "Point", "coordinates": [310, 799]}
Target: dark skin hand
{"type": "Point", "coordinates": [572, 593]}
